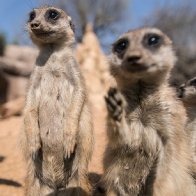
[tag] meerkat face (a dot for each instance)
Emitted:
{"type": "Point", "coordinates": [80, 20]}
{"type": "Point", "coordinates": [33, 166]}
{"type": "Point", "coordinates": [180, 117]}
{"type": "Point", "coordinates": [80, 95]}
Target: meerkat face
{"type": "Point", "coordinates": [142, 52]}
{"type": "Point", "coordinates": [50, 25]}
{"type": "Point", "coordinates": [187, 92]}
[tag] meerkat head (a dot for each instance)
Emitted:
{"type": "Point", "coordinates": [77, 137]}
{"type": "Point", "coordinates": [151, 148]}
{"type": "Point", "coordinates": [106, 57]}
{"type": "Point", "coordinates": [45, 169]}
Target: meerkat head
{"type": "Point", "coordinates": [141, 53]}
{"type": "Point", "coordinates": [187, 92]}
{"type": "Point", "coordinates": [49, 25]}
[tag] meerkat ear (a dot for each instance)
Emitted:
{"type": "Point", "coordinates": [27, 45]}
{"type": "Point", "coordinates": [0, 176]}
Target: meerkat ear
{"type": "Point", "coordinates": [71, 24]}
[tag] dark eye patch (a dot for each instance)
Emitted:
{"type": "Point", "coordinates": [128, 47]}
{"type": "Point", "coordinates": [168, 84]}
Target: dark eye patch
{"type": "Point", "coordinates": [193, 82]}
{"type": "Point", "coordinates": [152, 40]}
{"type": "Point", "coordinates": [32, 16]}
{"type": "Point", "coordinates": [121, 45]}
{"type": "Point", "coordinates": [52, 15]}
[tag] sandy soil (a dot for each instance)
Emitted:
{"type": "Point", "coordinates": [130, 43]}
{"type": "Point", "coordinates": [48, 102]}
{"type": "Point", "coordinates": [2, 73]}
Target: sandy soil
{"type": "Point", "coordinates": [12, 166]}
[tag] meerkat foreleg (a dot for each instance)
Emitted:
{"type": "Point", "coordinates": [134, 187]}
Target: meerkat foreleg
{"type": "Point", "coordinates": [72, 121]}
{"type": "Point", "coordinates": [116, 106]}
{"type": "Point", "coordinates": [32, 131]}
{"type": "Point", "coordinates": [116, 111]}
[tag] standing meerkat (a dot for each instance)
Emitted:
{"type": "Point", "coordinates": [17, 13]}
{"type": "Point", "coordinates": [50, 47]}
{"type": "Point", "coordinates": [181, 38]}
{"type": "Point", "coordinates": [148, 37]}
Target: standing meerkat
{"type": "Point", "coordinates": [57, 121]}
{"type": "Point", "coordinates": [187, 93]}
{"type": "Point", "coordinates": [148, 151]}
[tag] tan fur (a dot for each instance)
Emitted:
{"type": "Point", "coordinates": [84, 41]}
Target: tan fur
{"type": "Point", "coordinates": [58, 125]}
{"type": "Point", "coordinates": [148, 151]}
{"type": "Point", "coordinates": [187, 93]}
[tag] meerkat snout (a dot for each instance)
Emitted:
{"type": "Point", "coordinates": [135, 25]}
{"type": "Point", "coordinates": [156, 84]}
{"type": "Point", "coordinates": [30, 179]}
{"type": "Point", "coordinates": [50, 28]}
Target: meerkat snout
{"type": "Point", "coordinates": [49, 25]}
{"type": "Point", "coordinates": [35, 25]}
{"type": "Point", "coordinates": [187, 91]}
{"type": "Point", "coordinates": [143, 50]}
{"type": "Point", "coordinates": [134, 58]}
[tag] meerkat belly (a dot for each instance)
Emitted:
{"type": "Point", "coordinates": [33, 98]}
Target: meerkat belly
{"type": "Point", "coordinates": [120, 168]}
{"type": "Point", "coordinates": [126, 170]}
{"type": "Point", "coordinates": [56, 93]}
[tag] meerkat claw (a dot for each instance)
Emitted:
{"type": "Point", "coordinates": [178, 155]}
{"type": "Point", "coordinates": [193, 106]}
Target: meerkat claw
{"type": "Point", "coordinates": [114, 104]}
{"type": "Point", "coordinates": [69, 148]}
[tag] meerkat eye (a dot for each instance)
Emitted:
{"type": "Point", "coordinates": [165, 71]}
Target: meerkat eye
{"type": "Point", "coordinates": [53, 14]}
{"type": "Point", "coordinates": [153, 40]}
{"type": "Point", "coordinates": [120, 46]}
{"type": "Point", "coordinates": [193, 82]}
{"type": "Point", "coordinates": [32, 16]}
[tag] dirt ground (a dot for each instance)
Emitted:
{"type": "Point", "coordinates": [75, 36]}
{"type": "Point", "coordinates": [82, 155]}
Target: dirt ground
{"type": "Point", "coordinates": [12, 166]}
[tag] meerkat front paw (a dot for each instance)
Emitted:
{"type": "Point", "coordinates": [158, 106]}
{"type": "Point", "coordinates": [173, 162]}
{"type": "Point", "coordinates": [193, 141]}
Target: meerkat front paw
{"type": "Point", "coordinates": [69, 144]}
{"type": "Point", "coordinates": [115, 104]}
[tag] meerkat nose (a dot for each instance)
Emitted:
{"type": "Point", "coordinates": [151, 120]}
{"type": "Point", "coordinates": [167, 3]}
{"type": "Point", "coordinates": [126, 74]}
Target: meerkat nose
{"type": "Point", "coordinates": [133, 58]}
{"type": "Point", "coordinates": [35, 25]}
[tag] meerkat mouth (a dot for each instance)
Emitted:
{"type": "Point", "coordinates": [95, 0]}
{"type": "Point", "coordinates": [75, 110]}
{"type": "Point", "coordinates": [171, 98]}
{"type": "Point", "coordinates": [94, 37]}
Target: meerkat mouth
{"type": "Point", "coordinates": [136, 67]}
{"type": "Point", "coordinates": [43, 33]}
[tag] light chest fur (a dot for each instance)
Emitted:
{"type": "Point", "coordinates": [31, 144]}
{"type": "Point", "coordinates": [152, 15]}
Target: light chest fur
{"type": "Point", "coordinates": [151, 131]}
{"type": "Point", "coordinates": [53, 87]}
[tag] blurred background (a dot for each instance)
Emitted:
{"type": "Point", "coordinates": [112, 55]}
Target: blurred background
{"type": "Point", "coordinates": [111, 18]}
{"type": "Point", "coordinates": [98, 23]}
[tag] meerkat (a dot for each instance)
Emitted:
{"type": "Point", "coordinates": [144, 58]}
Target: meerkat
{"type": "Point", "coordinates": [57, 119]}
{"type": "Point", "coordinates": [187, 93]}
{"type": "Point", "coordinates": [148, 151]}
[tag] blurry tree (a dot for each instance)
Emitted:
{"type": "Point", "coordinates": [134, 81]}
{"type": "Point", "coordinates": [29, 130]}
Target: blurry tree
{"type": "Point", "coordinates": [2, 44]}
{"type": "Point", "coordinates": [104, 15]}
{"type": "Point", "coordinates": [179, 22]}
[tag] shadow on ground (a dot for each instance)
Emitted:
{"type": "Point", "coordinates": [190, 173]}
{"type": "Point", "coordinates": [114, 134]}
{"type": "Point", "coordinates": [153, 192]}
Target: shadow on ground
{"type": "Point", "coordinates": [9, 183]}
{"type": "Point", "coordinates": [97, 185]}
{"type": "Point", "coordinates": [78, 191]}
{"type": "Point", "coordinates": [2, 158]}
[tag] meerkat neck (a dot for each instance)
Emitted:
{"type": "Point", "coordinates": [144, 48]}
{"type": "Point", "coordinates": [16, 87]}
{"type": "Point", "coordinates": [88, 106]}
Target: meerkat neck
{"type": "Point", "coordinates": [148, 81]}
{"type": "Point", "coordinates": [146, 85]}
{"type": "Point", "coordinates": [56, 46]}
{"type": "Point", "coordinates": [138, 91]}
{"type": "Point", "coordinates": [47, 51]}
